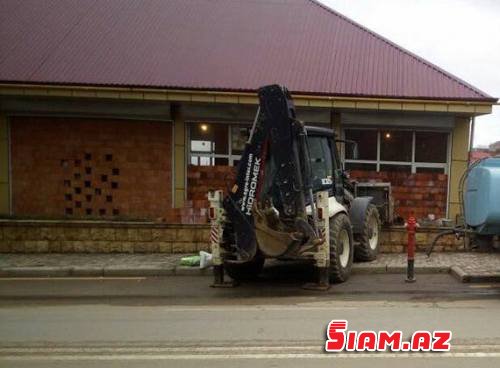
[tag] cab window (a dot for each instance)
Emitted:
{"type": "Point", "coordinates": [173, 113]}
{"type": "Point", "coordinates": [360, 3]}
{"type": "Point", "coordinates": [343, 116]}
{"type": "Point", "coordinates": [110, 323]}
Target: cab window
{"type": "Point", "coordinates": [321, 160]}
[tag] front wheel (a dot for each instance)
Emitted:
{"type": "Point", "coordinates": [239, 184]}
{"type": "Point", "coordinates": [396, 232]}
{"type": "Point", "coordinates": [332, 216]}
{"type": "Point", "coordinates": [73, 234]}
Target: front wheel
{"type": "Point", "coordinates": [368, 240]}
{"type": "Point", "coordinates": [341, 248]}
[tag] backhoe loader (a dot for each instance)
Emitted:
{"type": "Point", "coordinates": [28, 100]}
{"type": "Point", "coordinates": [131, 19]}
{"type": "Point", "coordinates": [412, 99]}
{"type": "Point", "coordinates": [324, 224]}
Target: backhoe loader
{"type": "Point", "coordinates": [291, 200]}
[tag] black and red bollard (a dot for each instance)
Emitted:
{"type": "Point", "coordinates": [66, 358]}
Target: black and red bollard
{"type": "Point", "coordinates": [411, 227]}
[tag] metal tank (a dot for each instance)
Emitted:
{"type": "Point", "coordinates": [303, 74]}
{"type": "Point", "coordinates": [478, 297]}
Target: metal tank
{"type": "Point", "coordinates": [482, 197]}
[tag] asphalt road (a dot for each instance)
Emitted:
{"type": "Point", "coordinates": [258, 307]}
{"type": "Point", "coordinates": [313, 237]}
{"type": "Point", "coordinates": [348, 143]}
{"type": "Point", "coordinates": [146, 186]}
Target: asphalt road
{"type": "Point", "coordinates": [181, 321]}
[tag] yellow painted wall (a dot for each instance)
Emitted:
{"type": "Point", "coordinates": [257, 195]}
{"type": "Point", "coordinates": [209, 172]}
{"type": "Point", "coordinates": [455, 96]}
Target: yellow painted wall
{"type": "Point", "coordinates": [459, 162]}
{"type": "Point", "coordinates": [4, 166]}
{"type": "Point", "coordinates": [179, 157]}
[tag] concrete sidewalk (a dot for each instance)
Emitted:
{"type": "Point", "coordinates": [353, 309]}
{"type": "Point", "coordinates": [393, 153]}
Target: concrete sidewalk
{"type": "Point", "coordinates": [467, 267]}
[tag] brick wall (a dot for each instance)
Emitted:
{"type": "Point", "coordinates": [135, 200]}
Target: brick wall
{"type": "Point", "coordinates": [90, 167]}
{"type": "Point", "coordinates": [422, 193]}
{"type": "Point", "coordinates": [201, 179]}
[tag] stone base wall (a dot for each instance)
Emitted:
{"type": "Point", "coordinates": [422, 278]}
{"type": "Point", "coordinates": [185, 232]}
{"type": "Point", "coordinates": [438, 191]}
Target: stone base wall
{"type": "Point", "coordinates": [101, 237]}
{"type": "Point", "coordinates": [24, 236]}
{"type": "Point", "coordinates": [395, 239]}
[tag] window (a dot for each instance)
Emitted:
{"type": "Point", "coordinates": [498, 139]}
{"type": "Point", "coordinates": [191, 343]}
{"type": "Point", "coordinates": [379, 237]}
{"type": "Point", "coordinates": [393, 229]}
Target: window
{"type": "Point", "coordinates": [367, 144]}
{"type": "Point", "coordinates": [321, 159]}
{"type": "Point", "coordinates": [396, 145]}
{"type": "Point", "coordinates": [431, 147]}
{"type": "Point", "coordinates": [398, 150]}
{"type": "Point", "coordinates": [216, 144]}
{"type": "Point", "coordinates": [352, 165]}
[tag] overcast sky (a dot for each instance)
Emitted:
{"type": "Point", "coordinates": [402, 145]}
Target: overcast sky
{"type": "Point", "coordinates": [460, 36]}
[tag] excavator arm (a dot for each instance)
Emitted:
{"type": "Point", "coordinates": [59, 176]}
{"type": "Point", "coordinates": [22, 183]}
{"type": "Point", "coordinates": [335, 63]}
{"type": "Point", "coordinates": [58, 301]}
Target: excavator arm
{"type": "Point", "coordinates": [275, 166]}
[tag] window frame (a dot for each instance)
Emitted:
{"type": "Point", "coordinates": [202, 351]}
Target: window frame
{"type": "Point", "coordinates": [212, 155]}
{"type": "Point", "coordinates": [326, 143]}
{"type": "Point", "coordinates": [414, 165]}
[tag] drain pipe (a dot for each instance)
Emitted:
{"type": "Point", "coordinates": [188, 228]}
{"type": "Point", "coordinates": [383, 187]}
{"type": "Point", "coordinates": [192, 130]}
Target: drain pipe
{"type": "Point", "coordinates": [471, 140]}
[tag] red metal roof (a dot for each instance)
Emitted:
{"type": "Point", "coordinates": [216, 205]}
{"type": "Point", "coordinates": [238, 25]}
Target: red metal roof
{"type": "Point", "coordinates": [234, 45]}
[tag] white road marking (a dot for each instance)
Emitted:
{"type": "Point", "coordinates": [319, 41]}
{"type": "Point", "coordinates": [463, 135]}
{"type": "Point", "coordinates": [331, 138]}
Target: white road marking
{"type": "Point", "coordinates": [72, 278]}
{"type": "Point", "coordinates": [225, 353]}
{"type": "Point", "coordinates": [239, 308]}
{"type": "Point", "coordinates": [250, 356]}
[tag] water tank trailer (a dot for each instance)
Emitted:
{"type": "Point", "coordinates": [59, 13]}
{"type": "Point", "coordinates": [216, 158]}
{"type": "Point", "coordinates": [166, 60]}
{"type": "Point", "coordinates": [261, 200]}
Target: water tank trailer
{"type": "Point", "coordinates": [479, 190]}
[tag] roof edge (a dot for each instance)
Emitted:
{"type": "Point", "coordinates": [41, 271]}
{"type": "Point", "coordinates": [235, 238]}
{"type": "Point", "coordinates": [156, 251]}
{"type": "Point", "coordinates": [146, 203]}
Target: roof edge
{"type": "Point", "coordinates": [176, 95]}
{"type": "Point", "coordinates": [207, 89]}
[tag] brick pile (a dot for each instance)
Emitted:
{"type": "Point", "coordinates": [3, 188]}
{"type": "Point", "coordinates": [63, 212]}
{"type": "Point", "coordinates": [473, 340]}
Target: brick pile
{"type": "Point", "coordinates": [422, 193]}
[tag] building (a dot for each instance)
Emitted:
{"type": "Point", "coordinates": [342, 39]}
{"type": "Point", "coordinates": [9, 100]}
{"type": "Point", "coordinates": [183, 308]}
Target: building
{"type": "Point", "coordinates": [479, 153]}
{"type": "Point", "coordinates": [132, 110]}
{"type": "Point", "coordinates": [495, 147]}
{"type": "Point", "coordinates": [484, 152]}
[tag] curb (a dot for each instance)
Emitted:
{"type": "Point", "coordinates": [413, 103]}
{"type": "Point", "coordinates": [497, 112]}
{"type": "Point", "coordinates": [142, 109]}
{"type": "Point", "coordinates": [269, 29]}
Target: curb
{"type": "Point", "coordinates": [35, 272]}
{"type": "Point", "coordinates": [20, 272]}
{"type": "Point", "coordinates": [398, 270]}
{"type": "Point", "coordinates": [138, 271]}
{"type": "Point", "coordinates": [465, 277]}
{"type": "Point", "coordinates": [459, 274]}
{"type": "Point", "coordinates": [155, 271]}
{"type": "Point", "coordinates": [114, 271]}
{"type": "Point", "coordinates": [192, 271]}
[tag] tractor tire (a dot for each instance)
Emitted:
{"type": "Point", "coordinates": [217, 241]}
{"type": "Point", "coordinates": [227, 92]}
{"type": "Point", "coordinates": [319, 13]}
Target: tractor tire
{"type": "Point", "coordinates": [245, 271]}
{"type": "Point", "coordinates": [341, 248]}
{"type": "Point", "coordinates": [368, 241]}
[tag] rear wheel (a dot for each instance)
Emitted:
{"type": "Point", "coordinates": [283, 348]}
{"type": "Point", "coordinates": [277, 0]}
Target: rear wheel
{"type": "Point", "coordinates": [368, 240]}
{"type": "Point", "coordinates": [247, 270]}
{"type": "Point", "coordinates": [341, 248]}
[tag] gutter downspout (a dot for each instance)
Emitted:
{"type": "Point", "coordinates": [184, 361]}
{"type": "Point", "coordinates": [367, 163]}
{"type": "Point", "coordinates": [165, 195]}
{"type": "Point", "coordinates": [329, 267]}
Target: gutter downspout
{"type": "Point", "coordinates": [471, 140]}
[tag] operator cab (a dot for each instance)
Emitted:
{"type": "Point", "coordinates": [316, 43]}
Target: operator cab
{"type": "Point", "coordinates": [326, 169]}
